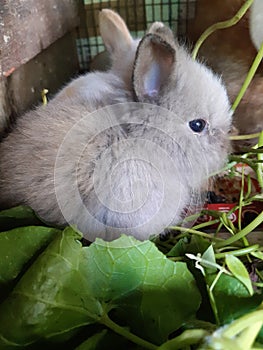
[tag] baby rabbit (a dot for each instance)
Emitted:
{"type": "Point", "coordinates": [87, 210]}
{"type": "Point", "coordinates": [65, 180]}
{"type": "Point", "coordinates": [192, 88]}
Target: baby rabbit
{"type": "Point", "coordinates": [129, 167]}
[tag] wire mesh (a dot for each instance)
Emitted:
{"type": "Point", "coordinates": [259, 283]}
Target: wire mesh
{"type": "Point", "coordinates": [138, 15]}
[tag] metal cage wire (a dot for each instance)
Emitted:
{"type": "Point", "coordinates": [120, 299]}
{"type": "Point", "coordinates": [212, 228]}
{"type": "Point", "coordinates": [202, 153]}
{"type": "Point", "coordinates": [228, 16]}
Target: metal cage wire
{"type": "Point", "coordinates": [138, 15]}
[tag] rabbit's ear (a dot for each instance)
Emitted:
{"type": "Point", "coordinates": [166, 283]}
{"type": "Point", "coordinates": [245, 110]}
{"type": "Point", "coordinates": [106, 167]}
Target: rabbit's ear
{"type": "Point", "coordinates": [154, 64]}
{"type": "Point", "coordinates": [163, 31]}
{"type": "Point", "coordinates": [114, 31]}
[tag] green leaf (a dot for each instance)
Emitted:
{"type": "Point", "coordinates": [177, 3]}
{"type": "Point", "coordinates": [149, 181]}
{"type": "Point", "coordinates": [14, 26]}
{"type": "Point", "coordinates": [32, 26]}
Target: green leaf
{"type": "Point", "coordinates": [51, 298]}
{"type": "Point", "coordinates": [18, 246]}
{"type": "Point", "coordinates": [151, 294]}
{"type": "Point", "coordinates": [179, 248]}
{"type": "Point", "coordinates": [18, 217]}
{"type": "Point", "coordinates": [257, 254]}
{"type": "Point", "coordinates": [232, 298]}
{"type": "Point", "coordinates": [69, 286]}
{"type": "Point", "coordinates": [239, 271]}
{"type": "Point", "coordinates": [209, 256]}
{"type": "Point", "coordinates": [195, 245]}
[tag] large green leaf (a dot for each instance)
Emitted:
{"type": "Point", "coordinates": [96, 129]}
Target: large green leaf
{"type": "Point", "coordinates": [50, 299]}
{"type": "Point", "coordinates": [153, 295]}
{"type": "Point", "coordinates": [69, 286]}
{"type": "Point", "coordinates": [18, 246]}
{"type": "Point", "coordinates": [18, 217]}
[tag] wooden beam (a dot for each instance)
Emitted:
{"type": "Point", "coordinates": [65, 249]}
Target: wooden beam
{"type": "Point", "coordinates": [27, 27]}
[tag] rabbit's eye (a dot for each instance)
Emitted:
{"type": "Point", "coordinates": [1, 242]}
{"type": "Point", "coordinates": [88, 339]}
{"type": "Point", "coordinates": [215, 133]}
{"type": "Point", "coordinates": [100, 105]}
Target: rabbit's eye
{"type": "Point", "coordinates": [197, 125]}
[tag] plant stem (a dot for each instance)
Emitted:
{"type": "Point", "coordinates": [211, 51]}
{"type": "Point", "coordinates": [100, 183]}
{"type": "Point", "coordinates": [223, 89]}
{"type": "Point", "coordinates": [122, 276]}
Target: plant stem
{"type": "Point", "coordinates": [249, 228]}
{"type": "Point", "coordinates": [126, 334]}
{"type": "Point", "coordinates": [195, 232]}
{"type": "Point", "coordinates": [44, 96]}
{"type": "Point", "coordinates": [249, 77]}
{"type": "Point", "coordinates": [213, 303]}
{"type": "Point", "coordinates": [221, 25]}
{"type": "Point", "coordinates": [238, 159]}
{"type": "Point", "coordinates": [241, 197]}
{"type": "Point", "coordinates": [227, 167]}
{"type": "Point", "coordinates": [260, 158]}
{"type": "Point", "coordinates": [187, 338]}
{"type": "Point", "coordinates": [214, 283]}
{"type": "Point", "coordinates": [255, 150]}
{"type": "Point", "coordinates": [238, 252]}
{"type": "Point", "coordinates": [244, 137]}
{"type": "Point", "coordinates": [205, 224]}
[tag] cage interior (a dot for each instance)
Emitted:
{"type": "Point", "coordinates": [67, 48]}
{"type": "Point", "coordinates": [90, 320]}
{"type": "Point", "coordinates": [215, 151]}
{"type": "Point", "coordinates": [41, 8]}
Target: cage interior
{"type": "Point", "coordinates": [138, 15]}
